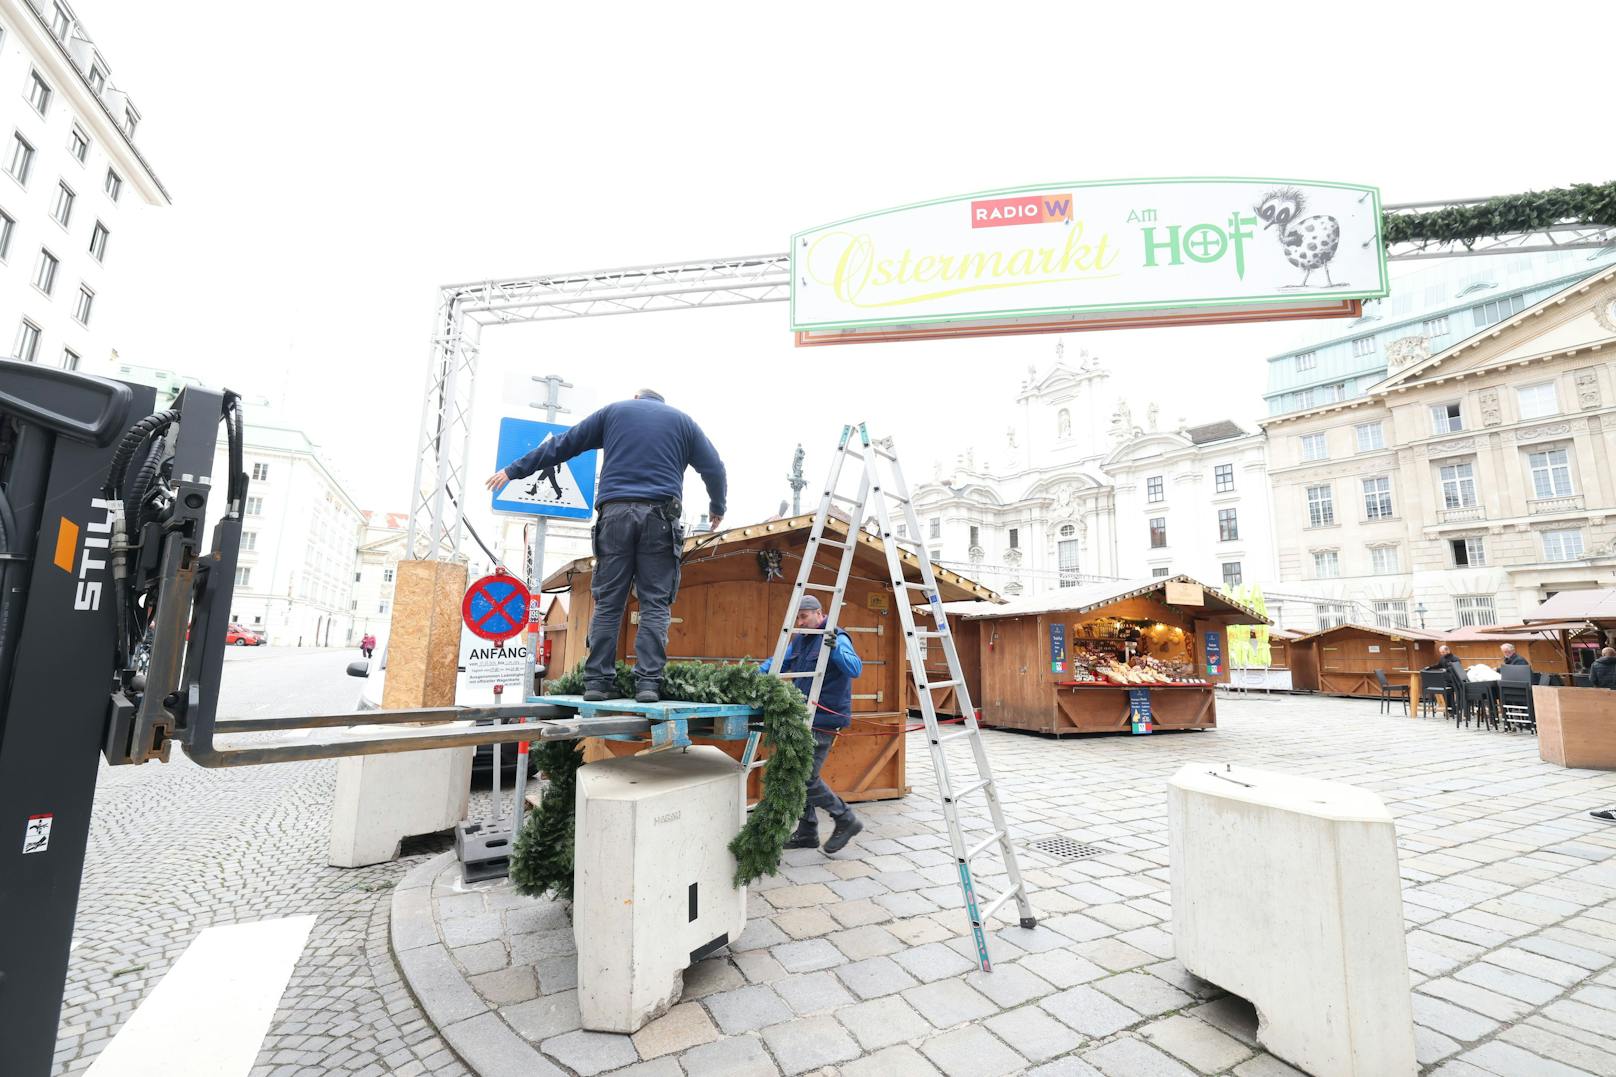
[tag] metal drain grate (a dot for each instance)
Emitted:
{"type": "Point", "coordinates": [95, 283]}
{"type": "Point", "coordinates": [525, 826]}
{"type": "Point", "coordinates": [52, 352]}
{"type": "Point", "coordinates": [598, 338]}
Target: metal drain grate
{"type": "Point", "coordinates": [1062, 848]}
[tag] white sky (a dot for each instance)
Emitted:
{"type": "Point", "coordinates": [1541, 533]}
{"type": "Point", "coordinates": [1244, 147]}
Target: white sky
{"type": "Point", "coordinates": [332, 163]}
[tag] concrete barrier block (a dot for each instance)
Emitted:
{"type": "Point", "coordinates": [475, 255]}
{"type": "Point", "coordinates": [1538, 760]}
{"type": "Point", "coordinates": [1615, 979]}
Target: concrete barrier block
{"type": "Point", "coordinates": [652, 871]}
{"type": "Point", "coordinates": [1286, 892]}
{"type": "Point", "coordinates": [382, 799]}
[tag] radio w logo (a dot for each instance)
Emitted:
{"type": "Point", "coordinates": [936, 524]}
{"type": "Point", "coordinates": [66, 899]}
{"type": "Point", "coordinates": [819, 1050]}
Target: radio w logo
{"type": "Point", "coordinates": [1023, 209]}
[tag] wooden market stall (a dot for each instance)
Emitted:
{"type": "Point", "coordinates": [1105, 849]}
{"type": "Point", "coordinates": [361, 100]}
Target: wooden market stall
{"type": "Point", "coordinates": [1479, 646]}
{"type": "Point", "coordinates": [734, 590]}
{"type": "Point", "coordinates": [1342, 661]}
{"type": "Point", "coordinates": [1042, 659]}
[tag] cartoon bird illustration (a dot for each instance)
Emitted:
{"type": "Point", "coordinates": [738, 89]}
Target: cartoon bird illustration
{"type": "Point", "coordinates": [1309, 242]}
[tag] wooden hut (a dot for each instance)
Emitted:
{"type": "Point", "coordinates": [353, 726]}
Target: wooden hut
{"type": "Point", "coordinates": [1479, 645]}
{"type": "Point", "coordinates": [1037, 656]}
{"type": "Point", "coordinates": [554, 630]}
{"type": "Point", "coordinates": [734, 590]}
{"type": "Point", "coordinates": [1342, 661]}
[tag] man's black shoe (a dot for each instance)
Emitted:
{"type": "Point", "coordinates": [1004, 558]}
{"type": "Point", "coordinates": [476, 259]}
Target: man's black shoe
{"type": "Point", "coordinates": [596, 695]}
{"type": "Point", "coordinates": [1608, 815]}
{"type": "Point", "coordinates": [846, 827]}
{"type": "Point", "coordinates": [647, 695]}
{"type": "Point", "coordinates": [804, 839]}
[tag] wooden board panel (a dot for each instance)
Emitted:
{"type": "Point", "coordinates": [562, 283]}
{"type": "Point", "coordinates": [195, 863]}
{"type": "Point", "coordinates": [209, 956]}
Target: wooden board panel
{"type": "Point", "coordinates": [1576, 727]}
{"type": "Point", "coordinates": [1106, 710]}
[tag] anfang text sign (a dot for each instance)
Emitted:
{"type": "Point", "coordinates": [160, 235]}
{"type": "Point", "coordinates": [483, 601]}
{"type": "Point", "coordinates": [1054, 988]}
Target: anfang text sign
{"type": "Point", "coordinates": [1091, 255]}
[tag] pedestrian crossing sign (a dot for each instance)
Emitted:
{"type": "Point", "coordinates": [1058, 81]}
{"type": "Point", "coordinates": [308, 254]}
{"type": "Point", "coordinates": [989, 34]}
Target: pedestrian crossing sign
{"type": "Point", "coordinates": [568, 492]}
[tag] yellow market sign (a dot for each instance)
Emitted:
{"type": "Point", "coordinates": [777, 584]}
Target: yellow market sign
{"type": "Point", "coordinates": [1091, 255]}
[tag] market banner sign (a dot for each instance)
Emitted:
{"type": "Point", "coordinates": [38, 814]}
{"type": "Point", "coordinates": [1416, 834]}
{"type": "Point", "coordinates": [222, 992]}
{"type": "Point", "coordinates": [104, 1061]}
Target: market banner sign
{"type": "Point", "coordinates": [1185, 594]}
{"type": "Point", "coordinates": [1057, 648]}
{"type": "Point", "coordinates": [1091, 255]}
{"type": "Point", "coordinates": [1214, 655]}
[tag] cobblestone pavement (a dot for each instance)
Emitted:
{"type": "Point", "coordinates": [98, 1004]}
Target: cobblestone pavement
{"type": "Point", "coordinates": [861, 964]}
{"type": "Point", "coordinates": [176, 848]}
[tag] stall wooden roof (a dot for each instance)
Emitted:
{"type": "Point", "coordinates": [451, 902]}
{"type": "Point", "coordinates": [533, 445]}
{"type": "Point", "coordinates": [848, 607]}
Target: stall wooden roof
{"type": "Point", "coordinates": [1086, 598]}
{"type": "Point", "coordinates": [1597, 606]}
{"type": "Point", "coordinates": [1499, 633]}
{"type": "Point", "coordinates": [1377, 630]}
{"type": "Point", "coordinates": [794, 531]}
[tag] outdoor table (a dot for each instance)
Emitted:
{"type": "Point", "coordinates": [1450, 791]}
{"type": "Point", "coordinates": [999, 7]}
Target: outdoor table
{"type": "Point", "coordinates": [1416, 685]}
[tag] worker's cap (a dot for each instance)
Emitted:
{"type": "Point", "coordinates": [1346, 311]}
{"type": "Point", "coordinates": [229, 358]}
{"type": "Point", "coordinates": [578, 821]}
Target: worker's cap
{"type": "Point", "coordinates": [809, 602]}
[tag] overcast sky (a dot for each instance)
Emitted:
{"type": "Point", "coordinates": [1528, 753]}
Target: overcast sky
{"type": "Point", "coordinates": [332, 163]}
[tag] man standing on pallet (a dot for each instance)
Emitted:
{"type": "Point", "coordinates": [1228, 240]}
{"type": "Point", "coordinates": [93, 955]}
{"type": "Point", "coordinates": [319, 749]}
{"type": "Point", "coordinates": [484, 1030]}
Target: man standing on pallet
{"type": "Point", "coordinates": [833, 712]}
{"type": "Point", "coordinates": [638, 537]}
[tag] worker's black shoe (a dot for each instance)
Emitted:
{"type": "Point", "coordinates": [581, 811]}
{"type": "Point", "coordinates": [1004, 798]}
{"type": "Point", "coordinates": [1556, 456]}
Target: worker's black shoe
{"type": "Point", "coordinates": [596, 695]}
{"type": "Point", "coordinates": [804, 839]}
{"type": "Point", "coordinates": [647, 695]}
{"type": "Point", "coordinates": [846, 827]}
{"type": "Point", "coordinates": [1608, 815]}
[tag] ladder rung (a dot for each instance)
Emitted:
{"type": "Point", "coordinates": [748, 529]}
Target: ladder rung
{"type": "Point", "coordinates": [884, 453]}
{"type": "Point", "coordinates": [969, 789]}
{"type": "Point", "coordinates": [934, 685]}
{"type": "Point", "coordinates": [833, 542]}
{"type": "Point", "coordinates": [843, 498]}
{"type": "Point", "coordinates": [905, 540]}
{"type": "Point", "coordinates": [946, 737]}
{"type": "Point", "coordinates": [993, 906]}
{"type": "Point", "coordinates": [795, 631]}
{"type": "Point", "coordinates": [917, 586]}
{"type": "Point", "coordinates": [820, 586]}
{"type": "Point", "coordinates": [788, 676]}
{"type": "Point", "coordinates": [928, 634]}
{"type": "Point", "coordinates": [971, 853]}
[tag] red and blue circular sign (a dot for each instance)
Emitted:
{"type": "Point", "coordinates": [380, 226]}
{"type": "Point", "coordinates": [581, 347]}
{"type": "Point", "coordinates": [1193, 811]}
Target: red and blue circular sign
{"type": "Point", "coordinates": [495, 607]}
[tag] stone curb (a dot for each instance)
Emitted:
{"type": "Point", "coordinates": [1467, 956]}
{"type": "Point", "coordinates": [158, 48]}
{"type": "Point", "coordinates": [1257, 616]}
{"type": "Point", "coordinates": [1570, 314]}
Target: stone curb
{"type": "Point", "coordinates": [474, 1031]}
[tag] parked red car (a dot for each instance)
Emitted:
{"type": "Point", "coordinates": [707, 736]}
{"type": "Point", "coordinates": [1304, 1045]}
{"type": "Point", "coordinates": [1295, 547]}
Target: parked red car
{"type": "Point", "coordinates": [242, 636]}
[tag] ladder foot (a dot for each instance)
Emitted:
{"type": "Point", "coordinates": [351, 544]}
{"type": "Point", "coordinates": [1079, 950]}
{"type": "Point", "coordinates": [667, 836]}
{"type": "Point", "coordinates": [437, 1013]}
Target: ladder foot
{"type": "Point", "coordinates": [1029, 922]}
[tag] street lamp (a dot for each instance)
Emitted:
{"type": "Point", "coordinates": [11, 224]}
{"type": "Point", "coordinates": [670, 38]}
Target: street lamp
{"type": "Point", "coordinates": [1420, 611]}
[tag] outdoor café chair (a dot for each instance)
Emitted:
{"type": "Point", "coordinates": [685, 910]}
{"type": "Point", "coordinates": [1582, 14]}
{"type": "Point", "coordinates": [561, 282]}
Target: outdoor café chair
{"type": "Point", "coordinates": [1390, 692]}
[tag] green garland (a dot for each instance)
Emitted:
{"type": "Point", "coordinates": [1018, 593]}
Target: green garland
{"type": "Point", "coordinates": [1590, 204]}
{"type": "Point", "coordinates": [541, 862]}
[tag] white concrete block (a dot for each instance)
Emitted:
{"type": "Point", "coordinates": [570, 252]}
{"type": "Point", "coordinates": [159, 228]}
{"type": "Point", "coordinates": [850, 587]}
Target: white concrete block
{"type": "Point", "coordinates": [1286, 892]}
{"type": "Point", "coordinates": [652, 871]}
{"type": "Point", "coordinates": [382, 799]}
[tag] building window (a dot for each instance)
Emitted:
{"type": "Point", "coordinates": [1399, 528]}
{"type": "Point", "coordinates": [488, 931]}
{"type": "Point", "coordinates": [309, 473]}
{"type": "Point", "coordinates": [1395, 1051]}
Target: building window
{"type": "Point", "coordinates": [1158, 573]}
{"type": "Point", "coordinates": [1391, 613]}
{"type": "Point", "coordinates": [1326, 564]}
{"type": "Point", "coordinates": [1158, 532]}
{"type": "Point", "coordinates": [1562, 545]}
{"type": "Point", "coordinates": [1223, 478]}
{"type": "Point", "coordinates": [1063, 423]}
{"type": "Point", "coordinates": [45, 271]}
{"type": "Point", "coordinates": [1363, 346]}
{"type": "Point", "coordinates": [98, 242]}
{"type": "Point", "coordinates": [1498, 309]}
{"type": "Point", "coordinates": [249, 540]}
{"type": "Point", "coordinates": [1458, 485]}
{"type": "Point", "coordinates": [21, 162]}
{"type": "Point", "coordinates": [1304, 399]}
{"type": "Point", "coordinates": [1551, 473]}
{"type": "Point", "coordinates": [1370, 437]}
{"type": "Point", "coordinates": [39, 92]}
{"type": "Point", "coordinates": [70, 359]}
{"type": "Point", "coordinates": [1537, 401]}
{"type": "Point", "coordinates": [78, 144]}
{"type": "Point", "coordinates": [255, 506]}
{"type": "Point", "coordinates": [1015, 538]}
{"type": "Point", "coordinates": [243, 577]}
{"type": "Point", "coordinates": [1320, 506]}
{"type": "Point", "coordinates": [61, 21]}
{"type": "Point", "coordinates": [1066, 555]}
{"type": "Point", "coordinates": [27, 346]}
{"type": "Point", "coordinates": [130, 122]}
{"type": "Point", "coordinates": [260, 472]}
{"type": "Point", "coordinates": [936, 530]}
{"type": "Point", "coordinates": [387, 575]}
{"type": "Point", "coordinates": [1383, 560]}
{"type": "Point", "coordinates": [85, 303]}
{"type": "Point", "coordinates": [1306, 361]}
{"type": "Point", "coordinates": [97, 78]}
{"type": "Point", "coordinates": [1435, 327]}
{"type": "Point", "coordinates": [1474, 609]}
{"type": "Point", "coordinates": [1377, 496]}
{"type": "Point", "coordinates": [114, 185]}
{"type": "Point", "coordinates": [976, 535]}
{"type": "Point", "coordinates": [1153, 490]}
{"type": "Point", "coordinates": [1314, 448]}
{"type": "Point", "coordinates": [1333, 393]}
{"type": "Point", "coordinates": [1468, 552]}
{"type": "Point", "coordinates": [7, 225]}
{"type": "Point", "coordinates": [1446, 419]}
{"type": "Point", "coordinates": [1228, 526]}
{"type": "Point", "coordinates": [1330, 614]}
{"type": "Point", "coordinates": [1231, 574]}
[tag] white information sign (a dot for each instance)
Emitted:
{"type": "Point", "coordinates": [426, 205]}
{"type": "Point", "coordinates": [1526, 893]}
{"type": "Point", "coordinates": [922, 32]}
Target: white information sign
{"type": "Point", "coordinates": [1092, 247]}
{"type": "Point", "coordinates": [485, 664]}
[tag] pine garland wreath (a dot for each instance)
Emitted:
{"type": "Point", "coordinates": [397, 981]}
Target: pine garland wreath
{"type": "Point", "coordinates": [1589, 204]}
{"type": "Point", "coordinates": [541, 862]}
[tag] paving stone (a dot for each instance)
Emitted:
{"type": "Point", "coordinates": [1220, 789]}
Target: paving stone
{"type": "Point", "coordinates": [1232, 1015]}
{"type": "Point", "coordinates": [1451, 1020]}
{"type": "Point", "coordinates": [470, 930]}
{"type": "Point", "coordinates": [1114, 954]}
{"type": "Point", "coordinates": [806, 923]}
{"type": "Point", "coordinates": [1079, 927]}
{"type": "Point", "coordinates": [798, 897]}
{"type": "Point", "coordinates": [709, 977]}
{"type": "Point", "coordinates": [812, 992]}
{"type": "Point", "coordinates": [1144, 993]}
{"type": "Point", "coordinates": [537, 915]}
{"type": "Point", "coordinates": [811, 955]}
{"type": "Point", "coordinates": [898, 1061]}
{"type": "Point", "coordinates": [1061, 968]}
{"type": "Point", "coordinates": [1033, 1033]}
{"type": "Point", "coordinates": [919, 931]}
{"type": "Point", "coordinates": [1196, 1043]}
{"type": "Point", "coordinates": [1070, 1066]}
{"type": "Point", "coordinates": [661, 1067]}
{"type": "Point", "coordinates": [859, 943]}
{"type": "Point", "coordinates": [1431, 1047]}
{"type": "Point", "coordinates": [875, 977]}
{"type": "Point", "coordinates": [1090, 1012]}
{"type": "Point", "coordinates": [440, 985]}
{"type": "Point", "coordinates": [1481, 999]}
{"type": "Point", "coordinates": [858, 889]}
{"type": "Point", "coordinates": [545, 1016]}
{"type": "Point", "coordinates": [747, 1008]}
{"type": "Point", "coordinates": [760, 934]}
{"type": "Point", "coordinates": [506, 986]}
{"type": "Point", "coordinates": [933, 961]}
{"type": "Point", "coordinates": [489, 1045]}
{"type": "Point", "coordinates": [759, 967]}
{"type": "Point", "coordinates": [483, 957]}
{"type": "Point", "coordinates": [883, 1021]}
{"type": "Point", "coordinates": [808, 1043]}
{"type": "Point", "coordinates": [1595, 1058]}
{"type": "Point", "coordinates": [1578, 1015]}
{"type": "Point", "coordinates": [905, 904]}
{"type": "Point", "coordinates": [1034, 940]}
{"type": "Point", "coordinates": [556, 973]}
{"type": "Point", "coordinates": [1128, 1056]}
{"type": "Point", "coordinates": [858, 913]}
{"type": "Point", "coordinates": [1506, 1058]}
{"type": "Point", "coordinates": [971, 1051]}
{"type": "Point", "coordinates": [949, 1002]}
{"type": "Point", "coordinates": [681, 1028]}
{"type": "Point", "coordinates": [589, 1053]}
{"type": "Point", "coordinates": [1514, 984]}
{"type": "Point", "coordinates": [537, 945]}
{"type": "Point", "coordinates": [1009, 985]}
{"type": "Point", "coordinates": [732, 1056]}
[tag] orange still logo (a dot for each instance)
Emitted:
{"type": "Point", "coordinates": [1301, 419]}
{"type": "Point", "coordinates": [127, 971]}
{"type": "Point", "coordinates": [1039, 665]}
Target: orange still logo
{"type": "Point", "coordinates": [90, 555]}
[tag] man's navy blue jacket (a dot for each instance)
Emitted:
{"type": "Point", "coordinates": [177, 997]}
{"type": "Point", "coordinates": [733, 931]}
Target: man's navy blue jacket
{"type": "Point", "coordinates": [648, 445]}
{"type": "Point", "coordinates": [836, 690]}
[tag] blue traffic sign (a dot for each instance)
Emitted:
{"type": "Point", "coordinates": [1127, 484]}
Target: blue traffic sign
{"type": "Point", "coordinates": [568, 493]}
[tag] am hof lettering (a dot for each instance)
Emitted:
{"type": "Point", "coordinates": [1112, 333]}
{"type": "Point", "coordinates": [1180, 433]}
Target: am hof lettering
{"type": "Point", "coordinates": [1023, 209]}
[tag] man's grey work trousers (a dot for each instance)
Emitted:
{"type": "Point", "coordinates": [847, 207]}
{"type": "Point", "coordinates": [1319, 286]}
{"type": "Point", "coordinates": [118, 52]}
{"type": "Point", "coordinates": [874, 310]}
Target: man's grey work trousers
{"type": "Point", "coordinates": [635, 545]}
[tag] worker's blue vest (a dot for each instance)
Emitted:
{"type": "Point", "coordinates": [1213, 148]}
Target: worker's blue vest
{"type": "Point", "coordinates": [836, 690]}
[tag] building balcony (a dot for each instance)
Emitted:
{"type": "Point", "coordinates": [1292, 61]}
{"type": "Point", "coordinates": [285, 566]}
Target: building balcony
{"type": "Point", "coordinates": [1461, 515]}
{"type": "Point", "coordinates": [1544, 505]}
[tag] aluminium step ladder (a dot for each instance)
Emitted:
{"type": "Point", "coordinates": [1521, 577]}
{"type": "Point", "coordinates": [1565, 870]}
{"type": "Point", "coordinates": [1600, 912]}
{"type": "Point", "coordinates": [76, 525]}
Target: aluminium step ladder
{"type": "Point", "coordinates": [907, 594]}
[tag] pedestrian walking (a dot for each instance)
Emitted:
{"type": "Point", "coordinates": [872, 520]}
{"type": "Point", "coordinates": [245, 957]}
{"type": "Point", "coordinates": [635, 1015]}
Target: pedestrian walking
{"type": "Point", "coordinates": [367, 644]}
